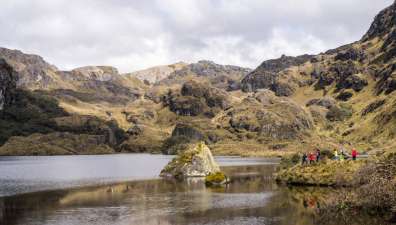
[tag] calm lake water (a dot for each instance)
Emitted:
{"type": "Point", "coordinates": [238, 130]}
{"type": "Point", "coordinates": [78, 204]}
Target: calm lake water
{"type": "Point", "coordinates": [252, 198]}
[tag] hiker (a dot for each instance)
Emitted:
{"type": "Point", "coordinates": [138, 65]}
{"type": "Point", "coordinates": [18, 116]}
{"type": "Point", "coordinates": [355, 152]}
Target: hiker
{"type": "Point", "coordinates": [335, 154]}
{"type": "Point", "coordinates": [304, 159]}
{"type": "Point", "coordinates": [354, 154]}
{"type": "Point", "coordinates": [317, 155]}
{"type": "Point", "coordinates": [342, 155]}
{"type": "Point", "coordinates": [311, 158]}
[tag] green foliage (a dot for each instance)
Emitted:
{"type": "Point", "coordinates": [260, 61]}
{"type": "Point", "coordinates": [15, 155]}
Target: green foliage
{"type": "Point", "coordinates": [291, 160]}
{"type": "Point", "coordinates": [30, 113]}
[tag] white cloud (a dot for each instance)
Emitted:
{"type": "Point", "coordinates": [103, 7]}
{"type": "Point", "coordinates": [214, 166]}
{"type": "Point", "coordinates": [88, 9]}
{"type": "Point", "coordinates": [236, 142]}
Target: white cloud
{"type": "Point", "coordinates": [137, 34]}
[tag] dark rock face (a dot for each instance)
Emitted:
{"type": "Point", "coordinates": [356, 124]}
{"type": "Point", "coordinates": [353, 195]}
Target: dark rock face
{"type": "Point", "coordinates": [111, 133]}
{"type": "Point", "coordinates": [182, 135]}
{"type": "Point", "coordinates": [196, 98]}
{"type": "Point", "coordinates": [344, 96]}
{"type": "Point", "coordinates": [266, 76]}
{"type": "Point", "coordinates": [352, 82]}
{"type": "Point", "coordinates": [339, 72]}
{"type": "Point", "coordinates": [187, 105]}
{"type": "Point", "coordinates": [8, 79]}
{"type": "Point", "coordinates": [387, 80]}
{"type": "Point", "coordinates": [284, 62]}
{"type": "Point", "coordinates": [350, 54]}
{"type": "Point", "coordinates": [187, 131]}
{"type": "Point", "coordinates": [383, 23]}
{"type": "Point", "coordinates": [213, 97]}
{"type": "Point", "coordinates": [373, 106]}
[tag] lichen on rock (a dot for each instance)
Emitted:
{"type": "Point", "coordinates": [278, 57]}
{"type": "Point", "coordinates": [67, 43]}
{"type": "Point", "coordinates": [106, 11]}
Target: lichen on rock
{"type": "Point", "coordinates": [196, 161]}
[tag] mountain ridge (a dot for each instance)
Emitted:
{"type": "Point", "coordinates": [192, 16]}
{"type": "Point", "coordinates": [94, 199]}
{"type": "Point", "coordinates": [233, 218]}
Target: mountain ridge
{"type": "Point", "coordinates": [345, 96]}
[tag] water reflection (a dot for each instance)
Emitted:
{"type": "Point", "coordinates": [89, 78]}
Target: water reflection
{"type": "Point", "coordinates": [251, 198]}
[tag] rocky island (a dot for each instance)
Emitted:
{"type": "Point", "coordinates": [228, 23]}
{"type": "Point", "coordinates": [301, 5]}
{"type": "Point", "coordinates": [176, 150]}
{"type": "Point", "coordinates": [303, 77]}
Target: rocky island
{"type": "Point", "coordinates": [196, 161]}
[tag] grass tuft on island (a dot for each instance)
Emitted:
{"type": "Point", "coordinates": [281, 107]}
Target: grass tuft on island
{"type": "Point", "coordinates": [328, 173]}
{"type": "Point", "coordinates": [215, 179]}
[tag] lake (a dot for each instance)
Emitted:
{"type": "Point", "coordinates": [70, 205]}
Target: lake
{"type": "Point", "coordinates": [125, 189]}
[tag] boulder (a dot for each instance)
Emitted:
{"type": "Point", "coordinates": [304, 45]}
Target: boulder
{"type": "Point", "coordinates": [344, 96]}
{"type": "Point", "coordinates": [326, 102]}
{"type": "Point", "coordinates": [196, 161]}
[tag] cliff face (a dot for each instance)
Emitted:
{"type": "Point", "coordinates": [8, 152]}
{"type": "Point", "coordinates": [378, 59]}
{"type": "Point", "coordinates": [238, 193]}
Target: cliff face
{"type": "Point", "coordinates": [8, 78]}
{"type": "Point", "coordinates": [33, 72]}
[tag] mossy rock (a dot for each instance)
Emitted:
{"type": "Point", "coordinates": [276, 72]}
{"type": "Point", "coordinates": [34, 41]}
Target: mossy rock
{"type": "Point", "coordinates": [216, 179]}
{"type": "Point", "coordinates": [196, 161]}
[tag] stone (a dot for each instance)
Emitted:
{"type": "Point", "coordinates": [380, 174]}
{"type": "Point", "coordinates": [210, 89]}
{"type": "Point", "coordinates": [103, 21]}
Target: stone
{"type": "Point", "coordinates": [344, 96]}
{"type": "Point", "coordinates": [196, 161]}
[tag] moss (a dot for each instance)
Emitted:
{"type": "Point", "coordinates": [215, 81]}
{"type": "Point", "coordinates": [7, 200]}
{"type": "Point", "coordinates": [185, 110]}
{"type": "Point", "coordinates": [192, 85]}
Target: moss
{"type": "Point", "coordinates": [215, 178]}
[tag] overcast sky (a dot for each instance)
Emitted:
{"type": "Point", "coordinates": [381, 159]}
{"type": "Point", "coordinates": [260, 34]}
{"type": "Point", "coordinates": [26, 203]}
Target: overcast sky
{"type": "Point", "coordinates": [136, 34]}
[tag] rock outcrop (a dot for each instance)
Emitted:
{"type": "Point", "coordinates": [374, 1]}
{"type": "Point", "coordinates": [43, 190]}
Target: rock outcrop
{"type": "Point", "coordinates": [268, 76]}
{"type": "Point", "coordinates": [272, 117]}
{"type": "Point", "coordinates": [8, 78]}
{"type": "Point", "coordinates": [196, 98]}
{"type": "Point", "coordinates": [196, 161]}
{"type": "Point", "coordinates": [158, 73]}
{"type": "Point", "coordinates": [225, 77]}
{"type": "Point", "coordinates": [33, 72]}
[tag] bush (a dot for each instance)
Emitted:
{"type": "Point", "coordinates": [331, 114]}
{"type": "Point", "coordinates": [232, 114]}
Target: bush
{"type": "Point", "coordinates": [291, 160]}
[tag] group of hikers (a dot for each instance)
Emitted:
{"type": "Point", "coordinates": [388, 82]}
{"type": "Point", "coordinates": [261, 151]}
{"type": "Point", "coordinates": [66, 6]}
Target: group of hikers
{"type": "Point", "coordinates": [315, 156]}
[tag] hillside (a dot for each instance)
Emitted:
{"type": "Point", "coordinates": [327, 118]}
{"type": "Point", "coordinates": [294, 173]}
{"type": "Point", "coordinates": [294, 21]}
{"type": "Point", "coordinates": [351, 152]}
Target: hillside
{"type": "Point", "coordinates": [343, 96]}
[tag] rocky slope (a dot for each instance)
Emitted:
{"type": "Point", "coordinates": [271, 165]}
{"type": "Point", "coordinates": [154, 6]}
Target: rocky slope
{"type": "Point", "coordinates": [343, 96]}
{"type": "Point", "coordinates": [155, 74]}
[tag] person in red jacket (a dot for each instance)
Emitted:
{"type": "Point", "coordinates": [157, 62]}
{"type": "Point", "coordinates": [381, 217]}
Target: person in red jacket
{"type": "Point", "coordinates": [354, 154]}
{"type": "Point", "coordinates": [311, 158]}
